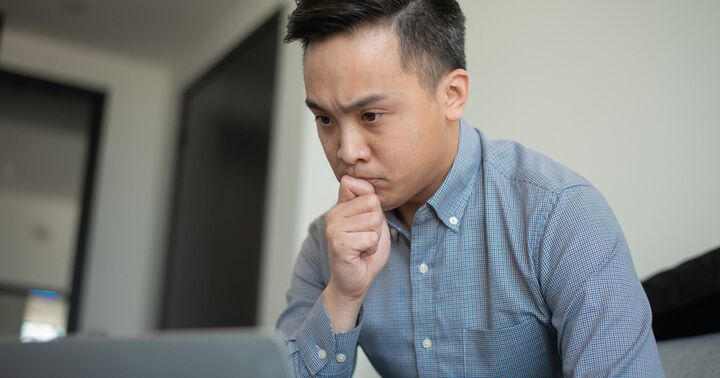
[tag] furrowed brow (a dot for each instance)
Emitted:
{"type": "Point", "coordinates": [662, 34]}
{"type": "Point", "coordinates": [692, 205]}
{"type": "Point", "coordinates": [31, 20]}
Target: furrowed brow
{"type": "Point", "coordinates": [359, 103]}
{"type": "Point", "coordinates": [362, 102]}
{"type": "Point", "coordinates": [314, 106]}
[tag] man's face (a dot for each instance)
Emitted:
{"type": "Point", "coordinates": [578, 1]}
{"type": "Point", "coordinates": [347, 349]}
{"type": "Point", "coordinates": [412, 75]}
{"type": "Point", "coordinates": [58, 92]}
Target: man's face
{"type": "Point", "coordinates": [376, 121]}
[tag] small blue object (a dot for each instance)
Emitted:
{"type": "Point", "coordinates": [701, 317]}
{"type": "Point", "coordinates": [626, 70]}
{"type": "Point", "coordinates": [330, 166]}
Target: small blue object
{"type": "Point", "coordinates": [45, 294]}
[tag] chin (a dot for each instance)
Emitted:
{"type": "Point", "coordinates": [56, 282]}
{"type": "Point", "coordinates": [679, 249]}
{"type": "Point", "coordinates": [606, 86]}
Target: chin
{"type": "Point", "coordinates": [388, 205]}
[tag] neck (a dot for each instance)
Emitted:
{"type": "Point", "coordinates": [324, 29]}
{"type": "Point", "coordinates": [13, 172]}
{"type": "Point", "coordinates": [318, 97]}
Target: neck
{"type": "Point", "coordinates": [406, 212]}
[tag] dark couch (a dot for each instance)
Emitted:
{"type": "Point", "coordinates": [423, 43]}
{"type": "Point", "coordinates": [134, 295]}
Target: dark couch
{"type": "Point", "coordinates": [685, 301]}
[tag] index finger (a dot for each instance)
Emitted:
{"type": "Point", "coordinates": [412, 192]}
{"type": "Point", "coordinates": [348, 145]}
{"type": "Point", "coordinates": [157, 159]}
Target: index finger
{"type": "Point", "coordinates": [352, 187]}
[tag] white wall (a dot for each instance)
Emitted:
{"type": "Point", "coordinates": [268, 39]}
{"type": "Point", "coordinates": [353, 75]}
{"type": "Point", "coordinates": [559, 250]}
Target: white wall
{"type": "Point", "coordinates": [127, 231]}
{"type": "Point", "coordinates": [624, 92]}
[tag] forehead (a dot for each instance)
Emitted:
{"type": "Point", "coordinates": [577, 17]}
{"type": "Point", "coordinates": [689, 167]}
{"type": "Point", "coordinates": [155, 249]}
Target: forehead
{"type": "Point", "coordinates": [362, 38]}
{"type": "Point", "coordinates": [367, 45]}
{"type": "Point", "coordinates": [345, 66]}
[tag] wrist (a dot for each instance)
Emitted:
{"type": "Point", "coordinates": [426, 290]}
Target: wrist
{"type": "Point", "coordinates": [342, 310]}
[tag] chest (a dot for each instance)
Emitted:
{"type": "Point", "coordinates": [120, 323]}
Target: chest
{"type": "Point", "coordinates": [458, 304]}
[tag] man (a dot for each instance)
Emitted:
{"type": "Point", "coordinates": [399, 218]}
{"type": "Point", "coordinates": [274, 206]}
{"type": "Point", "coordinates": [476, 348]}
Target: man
{"type": "Point", "coordinates": [446, 254]}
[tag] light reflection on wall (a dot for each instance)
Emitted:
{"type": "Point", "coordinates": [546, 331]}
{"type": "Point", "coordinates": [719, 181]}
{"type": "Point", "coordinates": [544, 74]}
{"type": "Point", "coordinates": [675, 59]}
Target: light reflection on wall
{"type": "Point", "coordinates": [45, 317]}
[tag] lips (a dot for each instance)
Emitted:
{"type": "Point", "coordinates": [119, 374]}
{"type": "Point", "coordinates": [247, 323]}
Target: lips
{"type": "Point", "coordinates": [374, 180]}
{"type": "Point", "coordinates": [354, 172]}
{"type": "Point", "coordinates": [364, 177]}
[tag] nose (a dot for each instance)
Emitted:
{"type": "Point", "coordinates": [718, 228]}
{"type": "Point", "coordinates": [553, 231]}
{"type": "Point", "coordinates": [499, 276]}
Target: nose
{"type": "Point", "coordinates": [353, 145]}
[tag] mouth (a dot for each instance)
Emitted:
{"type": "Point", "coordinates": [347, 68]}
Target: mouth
{"type": "Point", "coordinates": [372, 180]}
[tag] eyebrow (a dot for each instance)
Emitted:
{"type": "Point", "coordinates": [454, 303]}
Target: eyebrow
{"type": "Point", "coordinates": [359, 103]}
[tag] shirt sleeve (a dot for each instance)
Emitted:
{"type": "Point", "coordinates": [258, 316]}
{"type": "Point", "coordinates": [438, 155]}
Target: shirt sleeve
{"type": "Point", "coordinates": [314, 349]}
{"type": "Point", "coordinates": [599, 309]}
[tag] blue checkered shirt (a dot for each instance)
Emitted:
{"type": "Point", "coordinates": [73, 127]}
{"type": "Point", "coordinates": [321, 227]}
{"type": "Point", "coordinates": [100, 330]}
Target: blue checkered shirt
{"type": "Point", "coordinates": [516, 267]}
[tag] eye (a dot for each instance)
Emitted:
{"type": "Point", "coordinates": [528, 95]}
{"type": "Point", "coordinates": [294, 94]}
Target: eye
{"type": "Point", "coordinates": [370, 117]}
{"type": "Point", "coordinates": [322, 120]}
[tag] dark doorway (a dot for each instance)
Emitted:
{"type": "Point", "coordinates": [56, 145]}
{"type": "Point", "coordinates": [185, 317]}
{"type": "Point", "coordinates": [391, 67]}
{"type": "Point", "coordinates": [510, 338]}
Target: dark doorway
{"type": "Point", "coordinates": [213, 264]}
{"type": "Point", "coordinates": [49, 142]}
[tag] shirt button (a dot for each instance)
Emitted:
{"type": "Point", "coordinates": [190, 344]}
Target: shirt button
{"type": "Point", "coordinates": [393, 233]}
{"type": "Point", "coordinates": [322, 354]}
{"type": "Point", "coordinates": [423, 268]}
{"type": "Point", "coordinates": [427, 343]}
{"type": "Point", "coordinates": [453, 221]}
{"type": "Point", "coordinates": [340, 358]}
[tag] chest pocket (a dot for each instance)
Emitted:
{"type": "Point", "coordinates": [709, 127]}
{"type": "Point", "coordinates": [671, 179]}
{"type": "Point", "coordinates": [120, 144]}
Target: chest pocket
{"type": "Point", "coordinates": [517, 351]}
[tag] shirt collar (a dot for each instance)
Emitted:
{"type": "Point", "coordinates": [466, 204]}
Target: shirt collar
{"type": "Point", "coordinates": [450, 200]}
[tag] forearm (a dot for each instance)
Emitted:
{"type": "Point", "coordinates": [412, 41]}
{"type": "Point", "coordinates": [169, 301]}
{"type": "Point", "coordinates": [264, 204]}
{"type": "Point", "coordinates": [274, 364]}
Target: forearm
{"type": "Point", "coordinates": [330, 280]}
{"type": "Point", "coordinates": [341, 310]}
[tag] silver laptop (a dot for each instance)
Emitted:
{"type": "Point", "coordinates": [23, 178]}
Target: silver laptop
{"type": "Point", "coordinates": [198, 353]}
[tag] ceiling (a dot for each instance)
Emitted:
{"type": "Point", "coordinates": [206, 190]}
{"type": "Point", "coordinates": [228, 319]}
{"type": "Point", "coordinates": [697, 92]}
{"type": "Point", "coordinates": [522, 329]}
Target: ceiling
{"type": "Point", "coordinates": [155, 30]}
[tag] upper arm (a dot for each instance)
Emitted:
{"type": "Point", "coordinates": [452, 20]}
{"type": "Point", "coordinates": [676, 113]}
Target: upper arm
{"type": "Point", "coordinates": [599, 309]}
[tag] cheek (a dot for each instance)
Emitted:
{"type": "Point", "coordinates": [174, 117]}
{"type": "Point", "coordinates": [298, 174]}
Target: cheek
{"type": "Point", "coordinates": [413, 153]}
{"type": "Point", "coordinates": [327, 142]}
{"type": "Point", "coordinates": [330, 153]}
{"type": "Point", "coordinates": [406, 145]}
{"type": "Point", "coordinates": [396, 153]}
{"type": "Point", "coordinates": [330, 148]}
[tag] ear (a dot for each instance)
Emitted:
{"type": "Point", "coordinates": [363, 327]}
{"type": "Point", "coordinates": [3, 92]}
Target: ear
{"type": "Point", "coordinates": [456, 87]}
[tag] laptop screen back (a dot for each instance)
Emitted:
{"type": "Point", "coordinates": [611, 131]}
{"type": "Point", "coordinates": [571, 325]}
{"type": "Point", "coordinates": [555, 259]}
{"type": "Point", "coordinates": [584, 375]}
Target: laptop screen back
{"type": "Point", "coordinates": [201, 353]}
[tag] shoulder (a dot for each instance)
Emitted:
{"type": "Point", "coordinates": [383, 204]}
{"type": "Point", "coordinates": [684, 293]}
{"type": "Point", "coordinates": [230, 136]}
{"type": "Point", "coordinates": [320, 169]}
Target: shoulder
{"type": "Point", "coordinates": [316, 234]}
{"type": "Point", "coordinates": [314, 247]}
{"type": "Point", "coordinates": [512, 163]}
{"type": "Point", "coordinates": [313, 258]}
{"type": "Point", "coordinates": [318, 225]}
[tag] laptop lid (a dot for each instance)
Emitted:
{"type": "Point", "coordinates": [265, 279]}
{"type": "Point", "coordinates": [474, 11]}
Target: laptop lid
{"type": "Point", "coordinates": [197, 353]}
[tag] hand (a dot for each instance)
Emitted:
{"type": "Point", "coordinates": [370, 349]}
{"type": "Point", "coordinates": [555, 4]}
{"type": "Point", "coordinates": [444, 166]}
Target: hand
{"type": "Point", "coordinates": [358, 248]}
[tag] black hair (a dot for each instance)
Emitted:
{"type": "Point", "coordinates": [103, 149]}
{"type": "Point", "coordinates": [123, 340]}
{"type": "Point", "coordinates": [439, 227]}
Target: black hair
{"type": "Point", "coordinates": [431, 33]}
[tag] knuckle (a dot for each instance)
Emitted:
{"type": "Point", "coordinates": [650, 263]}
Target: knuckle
{"type": "Point", "coordinates": [375, 218]}
{"type": "Point", "coordinates": [329, 228]}
{"type": "Point", "coordinates": [373, 200]}
{"type": "Point", "coordinates": [373, 238]}
{"type": "Point", "coordinates": [333, 240]}
{"type": "Point", "coordinates": [332, 213]}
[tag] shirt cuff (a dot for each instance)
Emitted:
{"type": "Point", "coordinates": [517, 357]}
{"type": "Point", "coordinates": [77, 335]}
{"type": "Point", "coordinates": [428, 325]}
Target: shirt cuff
{"type": "Point", "coordinates": [321, 348]}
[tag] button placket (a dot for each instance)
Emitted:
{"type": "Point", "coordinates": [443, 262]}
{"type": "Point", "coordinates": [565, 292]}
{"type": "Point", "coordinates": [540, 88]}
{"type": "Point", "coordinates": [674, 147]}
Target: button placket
{"type": "Point", "coordinates": [423, 248]}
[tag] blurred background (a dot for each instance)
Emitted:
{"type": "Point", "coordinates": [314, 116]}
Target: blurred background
{"type": "Point", "coordinates": [158, 168]}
